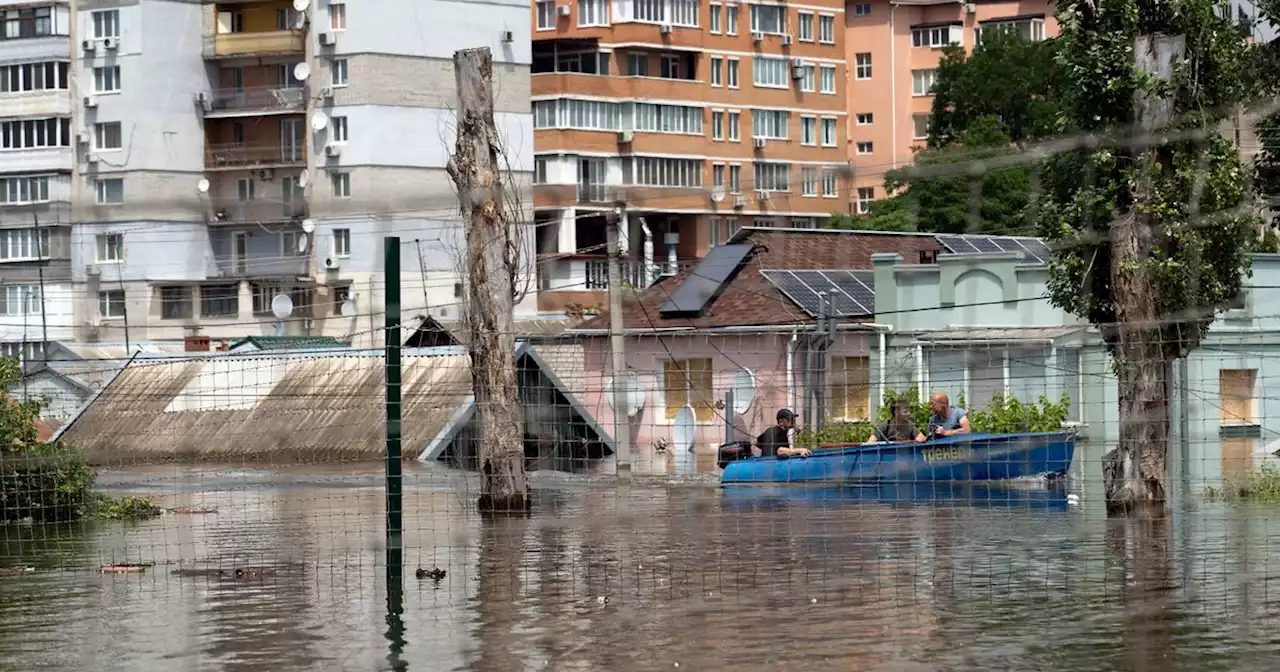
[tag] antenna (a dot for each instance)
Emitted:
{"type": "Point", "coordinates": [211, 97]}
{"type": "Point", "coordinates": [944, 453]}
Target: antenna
{"type": "Point", "coordinates": [319, 121]}
{"type": "Point", "coordinates": [303, 178]}
{"type": "Point", "coordinates": [301, 72]}
{"type": "Point", "coordinates": [202, 186]}
{"type": "Point", "coordinates": [302, 244]}
{"type": "Point", "coordinates": [717, 193]}
{"type": "Point", "coordinates": [282, 308]}
{"type": "Point", "coordinates": [301, 5]}
{"type": "Point", "coordinates": [348, 308]}
{"type": "Point", "coordinates": [308, 226]}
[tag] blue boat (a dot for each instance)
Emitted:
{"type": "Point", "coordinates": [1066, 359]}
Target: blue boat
{"type": "Point", "coordinates": [1048, 496]}
{"type": "Point", "coordinates": [968, 457]}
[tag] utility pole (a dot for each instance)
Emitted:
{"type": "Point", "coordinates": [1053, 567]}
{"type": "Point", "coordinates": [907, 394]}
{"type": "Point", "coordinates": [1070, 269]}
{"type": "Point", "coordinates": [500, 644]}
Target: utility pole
{"type": "Point", "coordinates": [617, 344]}
{"type": "Point", "coordinates": [490, 265]}
{"type": "Point", "coordinates": [394, 467]}
{"type": "Point", "coordinates": [44, 315]}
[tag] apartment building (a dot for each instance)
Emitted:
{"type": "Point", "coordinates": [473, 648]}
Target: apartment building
{"type": "Point", "coordinates": [36, 164]}
{"type": "Point", "coordinates": [893, 50]}
{"type": "Point", "coordinates": [686, 119]}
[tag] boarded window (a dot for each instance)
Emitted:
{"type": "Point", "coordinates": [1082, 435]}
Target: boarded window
{"type": "Point", "coordinates": [689, 381]}
{"type": "Point", "coordinates": [1235, 395]}
{"type": "Point", "coordinates": [850, 387]}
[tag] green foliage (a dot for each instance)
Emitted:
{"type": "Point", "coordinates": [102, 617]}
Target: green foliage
{"type": "Point", "coordinates": [1261, 486]}
{"type": "Point", "coordinates": [1197, 200]}
{"type": "Point", "coordinates": [124, 508]}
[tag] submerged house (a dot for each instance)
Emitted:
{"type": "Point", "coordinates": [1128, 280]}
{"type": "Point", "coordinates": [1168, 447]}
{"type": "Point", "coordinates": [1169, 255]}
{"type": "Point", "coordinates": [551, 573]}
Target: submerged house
{"type": "Point", "coordinates": [317, 406]}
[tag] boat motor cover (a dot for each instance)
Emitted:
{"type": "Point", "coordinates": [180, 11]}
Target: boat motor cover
{"type": "Point", "coordinates": [732, 452]}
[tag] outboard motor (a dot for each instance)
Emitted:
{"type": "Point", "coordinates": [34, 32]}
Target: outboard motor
{"type": "Point", "coordinates": [732, 452]}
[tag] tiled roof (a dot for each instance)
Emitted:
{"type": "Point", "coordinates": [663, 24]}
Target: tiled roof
{"type": "Point", "coordinates": [289, 342]}
{"type": "Point", "coordinates": [749, 299]}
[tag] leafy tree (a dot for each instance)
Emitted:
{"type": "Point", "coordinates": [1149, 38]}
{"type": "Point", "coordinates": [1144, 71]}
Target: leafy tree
{"type": "Point", "coordinates": [1149, 242]}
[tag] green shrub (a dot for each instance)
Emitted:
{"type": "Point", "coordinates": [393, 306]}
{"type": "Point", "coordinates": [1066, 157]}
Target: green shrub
{"type": "Point", "coordinates": [1262, 486]}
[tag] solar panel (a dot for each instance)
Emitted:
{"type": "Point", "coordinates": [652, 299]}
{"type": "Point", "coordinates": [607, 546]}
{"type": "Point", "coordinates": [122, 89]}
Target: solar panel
{"type": "Point", "coordinates": [956, 244]}
{"type": "Point", "coordinates": [707, 280]}
{"type": "Point", "coordinates": [983, 244]}
{"type": "Point", "coordinates": [791, 286]}
{"type": "Point", "coordinates": [1037, 249]}
{"type": "Point", "coordinates": [1009, 245]}
{"type": "Point", "coordinates": [818, 281]}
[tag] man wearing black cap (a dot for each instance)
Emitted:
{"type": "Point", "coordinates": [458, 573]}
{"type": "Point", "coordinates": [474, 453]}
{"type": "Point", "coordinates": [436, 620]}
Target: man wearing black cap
{"type": "Point", "coordinates": [774, 442]}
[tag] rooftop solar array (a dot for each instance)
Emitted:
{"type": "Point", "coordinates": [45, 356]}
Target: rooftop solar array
{"type": "Point", "coordinates": [852, 292]}
{"type": "Point", "coordinates": [706, 280]}
{"type": "Point", "coordinates": [1032, 249]}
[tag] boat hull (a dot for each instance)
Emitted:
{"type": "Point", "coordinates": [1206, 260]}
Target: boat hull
{"type": "Point", "coordinates": [972, 457]}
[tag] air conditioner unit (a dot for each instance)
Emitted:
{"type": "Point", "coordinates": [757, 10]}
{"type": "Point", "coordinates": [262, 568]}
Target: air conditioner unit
{"type": "Point", "coordinates": [202, 98]}
{"type": "Point", "coordinates": [626, 136]}
{"type": "Point", "coordinates": [564, 10]}
{"type": "Point", "coordinates": [90, 101]}
{"type": "Point", "coordinates": [508, 36]}
{"type": "Point", "coordinates": [333, 150]}
{"type": "Point", "coordinates": [786, 39]}
{"type": "Point", "coordinates": [797, 72]}
{"type": "Point", "coordinates": [326, 92]}
{"type": "Point", "coordinates": [760, 143]}
{"type": "Point", "coordinates": [762, 195]}
{"type": "Point", "coordinates": [331, 263]}
{"type": "Point", "coordinates": [739, 201]}
{"type": "Point", "coordinates": [970, 8]}
{"type": "Point", "coordinates": [82, 138]}
{"type": "Point", "coordinates": [91, 159]}
{"type": "Point", "coordinates": [110, 43]}
{"type": "Point", "coordinates": [88, 45]}
{"type": "Point", "coordinates": [266, 174]}
{"type": "Point", "coordinates": [326, 39]}
{"type": "Point", "coordinates": [757, 37]}
{"type": "Point", "coordinates": [665, 29]}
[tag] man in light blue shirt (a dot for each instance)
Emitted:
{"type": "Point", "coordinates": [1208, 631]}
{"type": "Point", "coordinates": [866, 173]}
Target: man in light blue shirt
{"type": "Point", "coordinates": [946, 420]}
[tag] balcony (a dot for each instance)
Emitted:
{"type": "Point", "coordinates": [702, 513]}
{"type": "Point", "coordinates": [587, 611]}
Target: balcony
{"type": "Point", "coordinates": [231, 211]}
{"type": "Point", "coordinates": [266, 266]}
{"type": "Point", "coordinates": [590, 272]}
{"type": "Point", "coordinates": [45, 103]}
{"type": "Point", "coordinates": [243, 102]}
{"type": "Point", "coordinates": [616, 86]}
{"type": "Point", "coordinates": [240, 157]}
{"type": "Point", "coordinates": [249, 44]}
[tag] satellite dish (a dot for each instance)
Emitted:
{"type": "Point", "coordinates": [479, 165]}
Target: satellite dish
{"type": "Point", "coordinates": [282, 306]}
{"type": "Point", "coordinates": [717, 193]}
{"type": "Point", "coordinates": [744, 391]}
{"type": "Point", "coordinates": [301, 5]}
{"type": "Point", "coordinates": [303, 179]}
{"type": "Point", "coordinates": [300, 22]}
{"type": "Point", "coordinates": [308, 226]}
{"type": "Point", "coordinates": [319, 120]}
{"type": "Point", "coordinates": [202, 186]}
{"type": "Point", "coordinates": [684, 428]}
{"type": "Point", "coordinates": [348, 308]}
{"type": "Point", "coordinates": [302, 243]}
{"type": "Point", "coordinates": [632, 389]}
{"type": "Point", "coordinates": [301, 72]}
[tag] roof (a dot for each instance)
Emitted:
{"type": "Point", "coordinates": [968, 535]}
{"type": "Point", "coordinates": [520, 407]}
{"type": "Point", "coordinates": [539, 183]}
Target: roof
{"type": "Point", "coordinates": [288, 342]}
{"type": "Point", "coordinates": [1000, 334]}
{"type": "Point", "coordinates": [90, 365]}
{"type": "Point", "coordinates": [748, 299]}
{"type": "Point", "coordinates": [300, 405]}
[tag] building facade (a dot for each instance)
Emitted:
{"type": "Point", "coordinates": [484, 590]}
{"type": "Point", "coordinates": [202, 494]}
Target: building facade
{"type": "Point", "coordinates": [685, 120]}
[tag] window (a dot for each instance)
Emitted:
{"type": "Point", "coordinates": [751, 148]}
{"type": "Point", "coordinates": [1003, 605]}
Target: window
{"type": "Point", "coordinates": [827, 29]}
{"type": "Point", "coordinates": [35, 133]}
{"type": "Point", "coordinates": [771, 124]}
{"type": "Point", "coordinates": [922, 82]}
{"type": "Point", "coordinates": [668, 118]}
{"type": "Point", "coordinates": [717, 175]}
{"type": "Point", "coordinates": [110, 248]}
{"type": "Point", "coordinates": [654, 172]}
{"type": "Point", "coordinates": [106, 23]}
{"type": "Point", "coordinates": [337, 15]}
{"type": "Point", "coordinates": [933, 37]}
{"type": "Point", "coordinates": [731, 20]}
{"type": "Point", "coordinates": [717, 125]}
{"type": "Point", "coordinates": [1069, 363]}
{"type": "Point", "coordinates": [338, 72]}
{"type": "Point", "coordinates": [47, 76]}
{"type": "Point", "coordinates": [865, 196]}
{"type": "Point", "coordinates": [688, 382]}
{"type": "Point", "coordinates": [983, 372]}
{"type": "Point", "coordinates": [20, 299]}
{"type": "Point", "coordinates": [584, 62]}
{"type": "Point", "coordinates": [763, 223]}
{"type": "Point", "coordinates": [807, 78]}
{"type": "Point", "coordinates": [805, 21]}
{"type": "Point", "coordinates": [24, 244]}
{"type": "Point", "coordinates": [827, 79]}
{"type": "Point", "coordinates": [219, 301]}
{"type": "Point", "coordinates": [585, 115]}
{"type": "Point", "coordinates": [1236, 396]}
{"type": "Point", "coordinates": [245, 189]}
{"type": "Point", "coordinates": [289, 245]}
{"type": "Point", "coordinates": [539, 170]}
{"type": "Point", "coordinates": [111, 303]}
{"type": "Point", "coordinates": [735, 179]}
{"type": "Point", "coordinates": [674, 12]}
{"type": "Point", "coordinates": [24, 190]}
{"type": "Point", "coordinates": [722, 229]}
{"type": "Point", "coordinates": [109, 191]}
{"type": "Point", "coordinates": [770, 19]}
{"type": "Point", "coordinates": [341, 183]}
{"type": "Point", "coordinates": [175, 302]}
{"type": "Point", "coordinates": [770, 71]}
{"type": "Point", "coordinates": [808, 131]}
{"type": "Point", "coordinates": [828, 132]}
{"type": "Point", "coordinates": [772, 176]}
{"type": "Point", "coordinates": [669, 67]}
{"type": "Point", "coordinates": [851, 388]}
{"type": "Point", "coordinates": [263, 295]}
{"type": "Point", "coordinates": [637, 64]}
{"type": "Point", "coordinates": [865, 118]}
{"type": "Point", "coordinates": [713, 24]}
{"type": "Point", "coordinates": [830, 183]}
{"type": "Point", "coordinates": [862, 9]}
{"type": "Point", "coordinates": [29, 22]}
{"type": "Point", "coordinates": [1030, 29]}
{"type": "Point", "coordinates": [735, 124]}
{"type": "Point", "coordinates": [862, 66]}
{"type": "Point", "coordinates": [716, 62]}
{"type": "Point", "coordinates": [107, 135]}
{"type": "Point", "coordinates": [733, 73]}
{"type": "Point", "coordinates": [106, 79]}
{"type": "Point", "coordinates": [593, 13]}
{"type": "Point", "coordinates": [341, 294]}
{"type": "Point", "coordinates": [865, 148]}
{"type": "Point", "coordinates": [804, 223]}
{"type": "Point", "coordinates": [808, 181]}
{"type": "Point", "coordinates": [546, 14]}
{"type": "Point", "coordinates": [339, 129]}
{"type": "Point", "coordinates": [919, 126]}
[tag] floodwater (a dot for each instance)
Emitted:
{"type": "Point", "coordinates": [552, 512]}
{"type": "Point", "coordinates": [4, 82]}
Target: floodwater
{"type": "Point", "coordinates": [668, 573]}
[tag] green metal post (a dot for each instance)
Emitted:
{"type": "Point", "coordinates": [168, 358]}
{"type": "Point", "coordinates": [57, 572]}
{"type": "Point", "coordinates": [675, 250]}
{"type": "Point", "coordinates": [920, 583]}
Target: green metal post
{"type": "Point", "coordinates": [391, 336]}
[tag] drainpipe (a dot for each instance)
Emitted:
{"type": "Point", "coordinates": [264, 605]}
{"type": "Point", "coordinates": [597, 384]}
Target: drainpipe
{"type": "Point", "coordinates": [650, 273]}
{"type": "Point", "coordinates": [791, 368]}
{"type": "Point", "coordinates": [893, 85]}
{"type": "Point", "coordinates": [883, 331]}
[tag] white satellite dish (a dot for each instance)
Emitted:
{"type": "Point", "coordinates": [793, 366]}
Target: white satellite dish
{"type": "Point", "coordinates": [301, 5]}
{"type": "Point", "coordinates": [301, 72]}
{"type": "Point", "coordinates": [744, 391]}
{"type": "Point", "coordinates": [302, 243]}
{"type": "Point", "coordinates": [319, 120]}
{"type": "Point", "coordinates": [202, 186]}
{"type": "Point", "coordinates": [282, 306]}
{"type": "Point", "coordinates": [717, 193]}
{"type": "Point", "coordinates": [632, 389]}
{"type": "Point", "coordinates": [308, 226]}
{"type": "Point", "coordinates": [303, 178]}
{"type": "Point", "coordinates": [300, 22]}
{"type": "Point", "coordinates": [348, 308]}
{"type": "Point", "coordinates": [683, 432]}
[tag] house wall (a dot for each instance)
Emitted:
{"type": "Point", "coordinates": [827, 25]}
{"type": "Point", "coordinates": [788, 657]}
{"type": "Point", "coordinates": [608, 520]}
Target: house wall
{"type": "Point", "coordinates": [64, 398]}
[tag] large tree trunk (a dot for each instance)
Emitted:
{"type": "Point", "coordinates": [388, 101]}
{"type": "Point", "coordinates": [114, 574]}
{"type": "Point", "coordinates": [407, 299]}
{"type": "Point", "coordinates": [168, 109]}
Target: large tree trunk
{"type": "Point", "coordinates": [504, 485]}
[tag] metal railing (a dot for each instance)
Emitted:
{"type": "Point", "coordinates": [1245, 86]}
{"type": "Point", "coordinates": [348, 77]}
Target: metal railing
{"type": "Point", "coordinates": [244, 156]}
{"type": "Point", "coordinates": [258, 98]}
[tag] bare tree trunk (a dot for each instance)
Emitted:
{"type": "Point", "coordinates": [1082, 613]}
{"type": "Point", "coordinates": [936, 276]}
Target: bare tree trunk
{"type": "Point", "coordinates": [1136, 473]}
{"type": "Point", "coordinates": [475, 169]}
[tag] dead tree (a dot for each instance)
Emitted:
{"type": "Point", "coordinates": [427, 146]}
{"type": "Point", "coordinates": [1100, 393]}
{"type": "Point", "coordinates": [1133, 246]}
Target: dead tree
{"type": "Point", "coordinates": [490, 264]}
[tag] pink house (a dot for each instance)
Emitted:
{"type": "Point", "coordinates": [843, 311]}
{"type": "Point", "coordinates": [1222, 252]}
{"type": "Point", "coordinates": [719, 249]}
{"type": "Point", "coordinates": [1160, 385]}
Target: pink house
{"type": "Point", "coordinates": [741, 320]}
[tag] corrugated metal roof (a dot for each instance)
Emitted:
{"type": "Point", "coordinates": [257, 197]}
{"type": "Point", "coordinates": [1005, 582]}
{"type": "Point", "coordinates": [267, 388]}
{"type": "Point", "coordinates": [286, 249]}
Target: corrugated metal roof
{"type": "Point", "coordinates": [289, 342]}
{"type": "Point", "coordinates": [999, 333]}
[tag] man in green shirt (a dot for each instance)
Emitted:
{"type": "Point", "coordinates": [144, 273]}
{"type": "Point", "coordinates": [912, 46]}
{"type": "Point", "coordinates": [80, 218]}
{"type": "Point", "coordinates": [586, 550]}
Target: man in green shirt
{"type": "Point", "coordinates": [898, 428]}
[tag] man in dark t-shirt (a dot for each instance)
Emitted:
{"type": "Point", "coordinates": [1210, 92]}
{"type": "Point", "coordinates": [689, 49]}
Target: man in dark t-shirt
{"type": "Point", "coordinates": [898, 428]}
{"type": "Point", "coordinates": [774, 441]}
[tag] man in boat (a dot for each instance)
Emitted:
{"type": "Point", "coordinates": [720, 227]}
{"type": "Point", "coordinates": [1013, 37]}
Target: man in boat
{"type": "Point", "coordinates": [898, 428]}
{"type": "Point", "coordinates": [775, 442]}
{"type": "Point", "coordinates": [947, 420]}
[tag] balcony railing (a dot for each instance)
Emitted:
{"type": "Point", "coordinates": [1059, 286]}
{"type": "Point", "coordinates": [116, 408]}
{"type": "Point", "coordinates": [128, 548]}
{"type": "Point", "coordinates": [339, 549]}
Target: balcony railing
{"type": "Point", "coordinates": [589, 272]}
{"type": "Point", "coordinates": [260, 266]}
{"type": "Point", "coordinates": [597, 193]}
{"type": "Point", "coordinates": [247, 44]}
{"type": "Point", "coordinates": [229, 157]}
{"type": "Point", "coordinates": [258, 99]}
{"type": "Point", "coordinates": [234, 211]}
